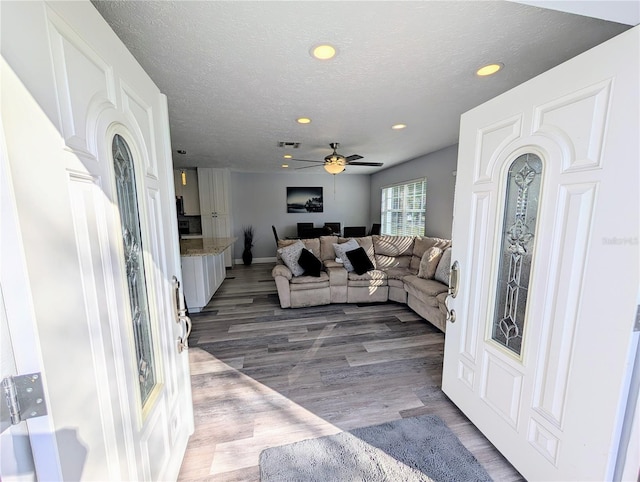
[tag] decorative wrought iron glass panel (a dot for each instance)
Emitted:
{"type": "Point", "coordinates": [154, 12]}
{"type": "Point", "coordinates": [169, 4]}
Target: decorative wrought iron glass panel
{"type": "Point", "coordinates": [518, 234]}
{"type": "Point", "coordinates": [134, 263]}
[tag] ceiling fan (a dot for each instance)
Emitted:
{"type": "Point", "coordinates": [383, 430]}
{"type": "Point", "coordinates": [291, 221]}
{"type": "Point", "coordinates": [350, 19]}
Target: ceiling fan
{"type": "Point", "coordinates": [335, 163]}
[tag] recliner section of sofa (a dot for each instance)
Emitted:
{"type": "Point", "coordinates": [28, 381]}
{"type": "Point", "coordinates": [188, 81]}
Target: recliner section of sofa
{"type": "Point", "coordinates": [396, 261]}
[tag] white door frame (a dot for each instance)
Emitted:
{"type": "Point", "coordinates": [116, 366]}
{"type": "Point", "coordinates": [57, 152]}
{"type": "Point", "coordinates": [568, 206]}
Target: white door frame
{"type": "Point", "coordinates": [20, 316]}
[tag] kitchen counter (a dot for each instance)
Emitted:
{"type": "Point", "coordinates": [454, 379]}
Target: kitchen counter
{"type": "Point", "coordinates": [204, 246]}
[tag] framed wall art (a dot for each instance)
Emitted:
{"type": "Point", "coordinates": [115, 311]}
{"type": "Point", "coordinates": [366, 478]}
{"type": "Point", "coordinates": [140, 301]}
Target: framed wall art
{"type": "Point", "coordinates": [304, 200]}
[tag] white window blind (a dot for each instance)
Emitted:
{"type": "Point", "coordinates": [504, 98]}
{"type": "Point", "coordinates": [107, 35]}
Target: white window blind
{"type": "Point", "coordinates": [403, 210]}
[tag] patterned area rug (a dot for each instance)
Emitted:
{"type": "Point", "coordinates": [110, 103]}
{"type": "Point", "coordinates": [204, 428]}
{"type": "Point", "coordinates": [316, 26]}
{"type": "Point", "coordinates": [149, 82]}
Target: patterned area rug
{"type": "Point", "coordinates": [412, 449]}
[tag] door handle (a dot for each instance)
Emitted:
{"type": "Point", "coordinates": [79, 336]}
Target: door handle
{"type": "Point", "coordinates": [454, 283]}
{"type": "Point", "coordinates": [183, 341]}
{"type": "Point", "coordinates": [181, 316]}
{"type": "Point", "coordinates": [454, 279]}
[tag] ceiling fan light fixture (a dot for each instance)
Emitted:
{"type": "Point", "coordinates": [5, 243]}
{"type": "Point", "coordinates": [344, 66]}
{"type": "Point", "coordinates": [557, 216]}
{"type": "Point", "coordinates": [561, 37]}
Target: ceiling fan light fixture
{"type": "Point", "coordinates": [333, 167]}
{"type": "Point", "coordinates": [334, 163]}
{"type": "Point", "coordinates": [323, 52]}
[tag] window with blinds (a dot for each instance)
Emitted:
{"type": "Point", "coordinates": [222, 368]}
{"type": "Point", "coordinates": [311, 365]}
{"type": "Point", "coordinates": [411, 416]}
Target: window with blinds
{"type": "Point", "coordinates": [403, 210]}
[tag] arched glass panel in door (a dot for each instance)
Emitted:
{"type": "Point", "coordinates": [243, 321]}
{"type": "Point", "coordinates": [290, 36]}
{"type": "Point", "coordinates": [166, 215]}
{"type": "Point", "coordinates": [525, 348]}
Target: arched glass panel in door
{"type": "Point", "coordinates": [516, 253]}
{"type": "Point", "coordinates": [134, 263]}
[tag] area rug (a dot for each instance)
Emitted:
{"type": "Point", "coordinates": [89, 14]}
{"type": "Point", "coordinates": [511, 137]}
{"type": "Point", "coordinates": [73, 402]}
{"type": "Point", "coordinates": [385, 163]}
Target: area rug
{"type": "Point", "coordinates": [412, 449]}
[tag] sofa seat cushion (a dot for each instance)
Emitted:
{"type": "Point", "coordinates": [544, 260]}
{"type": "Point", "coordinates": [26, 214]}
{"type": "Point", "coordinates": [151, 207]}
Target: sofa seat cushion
{"type": "Point", "coordinates": [395, 283]}
{"type": "Point", "coordinates": [370, 278]}
{"type": "Point", "coordinates": [374, 274]}
{"type": "Point", "coordinates": [398, 273]}
{"type": "Point", "coordinates": [299, 283]}
{"type": "Point", "coordinates": [426, 290]}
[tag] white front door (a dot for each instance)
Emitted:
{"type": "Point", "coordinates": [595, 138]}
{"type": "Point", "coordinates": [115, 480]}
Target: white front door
{"type": "Point", "coordinates": [545, 233]}
{"type": "Point", "coordinates": [88, 152]}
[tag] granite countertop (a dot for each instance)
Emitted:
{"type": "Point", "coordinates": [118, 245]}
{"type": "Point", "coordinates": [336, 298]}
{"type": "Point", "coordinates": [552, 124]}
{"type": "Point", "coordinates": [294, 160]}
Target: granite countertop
{"type": "Point", "coordinates": [204, 246]}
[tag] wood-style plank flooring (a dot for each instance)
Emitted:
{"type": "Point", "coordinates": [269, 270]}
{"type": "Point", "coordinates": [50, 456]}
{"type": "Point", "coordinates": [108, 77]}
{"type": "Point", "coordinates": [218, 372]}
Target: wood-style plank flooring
{"type": "Point", "coordinates": [263, 376]}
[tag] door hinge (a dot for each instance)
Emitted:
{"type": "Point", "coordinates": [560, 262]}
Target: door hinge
{"type": "Point", "coordinates": [23, 399]}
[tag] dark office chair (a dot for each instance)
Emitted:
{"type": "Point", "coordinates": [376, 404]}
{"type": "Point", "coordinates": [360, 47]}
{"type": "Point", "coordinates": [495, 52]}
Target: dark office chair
{"type": "Point", "coordinates": [334, 227]}
{"type": "Point", "coordinates": [355, 231]}
{"type": "Point", "coordinates": [275, 234]}
{"type": "Point", "coordinates": [304, 228]}
{"type": "Point", "coordinates": [375, 229]}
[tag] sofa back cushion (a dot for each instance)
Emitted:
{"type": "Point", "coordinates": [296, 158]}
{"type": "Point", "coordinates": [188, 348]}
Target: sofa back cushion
{"type": "Point", "coordinates": [290, 255]}
{"type": "Point", "coordinates": [366, 242]}
{"type": "Point", "coordinates": [312, 244]}
{"type": "Point", "coordinates": [429, 262]}
{"type": "Point", "coordinates": [326, 248]}
{"type": "Point", "coordinates": [422, 244]}
{"type": "Point", "coordinates": [393, 251]}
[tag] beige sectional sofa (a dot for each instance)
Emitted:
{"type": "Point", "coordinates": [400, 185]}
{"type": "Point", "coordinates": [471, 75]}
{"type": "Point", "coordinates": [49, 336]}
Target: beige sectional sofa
{"type": "Point", "coordinates": [396, 274]}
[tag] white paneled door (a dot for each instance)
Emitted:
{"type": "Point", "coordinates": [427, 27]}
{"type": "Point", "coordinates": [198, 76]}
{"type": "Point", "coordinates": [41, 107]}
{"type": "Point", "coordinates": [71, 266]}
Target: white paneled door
{"type": "Point", "coordinates": [89, 170]}
{"type": "Point", "coordinates": [545, 234]}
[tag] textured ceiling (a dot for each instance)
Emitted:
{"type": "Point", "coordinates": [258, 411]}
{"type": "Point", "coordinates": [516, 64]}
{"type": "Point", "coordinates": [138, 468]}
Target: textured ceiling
{"type": "Point", "coordinates": [238, 73]}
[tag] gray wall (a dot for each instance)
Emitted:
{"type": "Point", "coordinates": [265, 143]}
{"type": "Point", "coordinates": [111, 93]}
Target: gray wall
{"type": "Point", "coordinates": [259, 200]}
{"type": "Point", "coordinates": [438, 167]}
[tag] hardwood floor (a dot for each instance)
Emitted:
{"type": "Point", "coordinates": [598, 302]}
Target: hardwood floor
{"type": "Point", "coordinates": [263, 376]}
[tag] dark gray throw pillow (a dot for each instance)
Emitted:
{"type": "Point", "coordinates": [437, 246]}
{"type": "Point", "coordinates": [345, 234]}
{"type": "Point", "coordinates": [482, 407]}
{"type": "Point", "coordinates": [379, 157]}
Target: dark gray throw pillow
{"type": "Point", "coordinates": [360, 261]}
{"type": "Point", "coordinates": [309, 263]}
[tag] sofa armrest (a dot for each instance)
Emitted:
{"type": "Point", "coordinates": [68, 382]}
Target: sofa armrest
{"type": "Point", "coordinates": [281, 270]}
{"type": "Point", "coordinates": [282, 275]}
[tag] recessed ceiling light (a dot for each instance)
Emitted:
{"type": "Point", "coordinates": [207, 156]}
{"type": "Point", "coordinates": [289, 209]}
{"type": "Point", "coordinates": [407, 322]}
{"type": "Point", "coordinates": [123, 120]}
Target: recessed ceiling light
{"type": "Point", "coordinates": [397, 127]}
{"type": "Point", "coordinates": [323, 52]}
{"type": "Point", "coordinates": [489, 70]}
{"type": "Point", "coordinates": [287, 156]}
{"type": "Point", "coordinates": [285, 165]}
{"type": "Point", "coordinates": [303, 120]}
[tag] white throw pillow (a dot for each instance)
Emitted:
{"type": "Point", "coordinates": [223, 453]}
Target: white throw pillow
{"type": "Point", "coordinates": [444, 266]}
{"type": "Point", "coordinates": [290, 255]}
{"type": "Point", "coordinates": [341, 250]}
{"type": "Point", "coordinates": [429, 262]}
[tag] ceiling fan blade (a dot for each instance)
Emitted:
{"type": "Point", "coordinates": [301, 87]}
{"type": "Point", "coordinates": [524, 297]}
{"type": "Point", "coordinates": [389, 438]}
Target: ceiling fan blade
{"type": "Point", "coordinates": [306, 160]}
{"type": "Point", "coordinates": [353, 157]}
{"type": "Point", "coordinates": [377, 164]}
{"type": "Point", "coordinates": [305, 167]}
